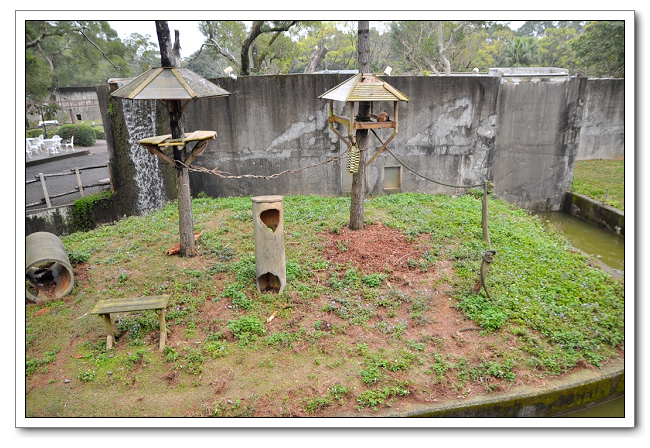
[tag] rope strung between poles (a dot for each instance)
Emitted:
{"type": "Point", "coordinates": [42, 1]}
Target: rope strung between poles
{"type": "Point", "coordinates": [418, 174]}
{"type": "Point", "coordinates": [488, 187]}
{"type": "Point", "coordinates": [225, 175]}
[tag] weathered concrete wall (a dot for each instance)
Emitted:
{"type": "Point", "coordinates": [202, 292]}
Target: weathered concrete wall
{"type": "Point", "coordinates": [60, 220]}
{"type": "Point", "coordinates": [521, 133]}
{"type": "Point", "coordinates": [537, 141]}
{"type": "Point", "coordinates": [602, 134]}
{"type": "Point", "coordinates": [274, 123]}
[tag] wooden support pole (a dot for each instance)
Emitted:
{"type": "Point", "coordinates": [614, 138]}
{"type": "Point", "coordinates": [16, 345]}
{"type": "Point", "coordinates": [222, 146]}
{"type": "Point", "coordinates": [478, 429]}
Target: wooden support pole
{"type": "Point", "coordinates": [47, 197]}
{"type": "Point", "coordinates": [79, 183]}
{"type": "Point", "coordinates": [110, 337]}
{"type": "Point", "coordinates": [163, 329]}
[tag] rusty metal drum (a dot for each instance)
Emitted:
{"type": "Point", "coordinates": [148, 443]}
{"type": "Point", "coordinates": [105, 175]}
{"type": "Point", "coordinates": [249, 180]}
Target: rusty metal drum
{"type": "Point", "coordinates": [48, 272]}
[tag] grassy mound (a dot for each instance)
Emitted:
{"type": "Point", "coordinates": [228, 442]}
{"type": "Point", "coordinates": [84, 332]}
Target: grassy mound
{"type": "Point", "coordinates": [369, 319]}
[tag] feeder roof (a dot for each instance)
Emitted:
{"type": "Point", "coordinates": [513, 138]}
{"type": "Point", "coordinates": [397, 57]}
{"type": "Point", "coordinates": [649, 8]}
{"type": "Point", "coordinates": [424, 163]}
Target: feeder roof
{"type": "Point", "coordinates": [169, 83]}
{"type": "Point", "coordinates": [364, 87]}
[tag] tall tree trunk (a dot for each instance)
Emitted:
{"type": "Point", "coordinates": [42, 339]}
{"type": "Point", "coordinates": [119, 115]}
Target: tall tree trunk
{"type": "Point", "coordinates": [358, 193]}
{"type": "Point", "coordinates": [316, 58]}
{"type": "Point", "coordinates": [170, 57]}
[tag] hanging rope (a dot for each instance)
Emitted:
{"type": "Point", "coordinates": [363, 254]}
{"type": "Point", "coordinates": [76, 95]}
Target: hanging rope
{"type": "Point", "coordinates": [226, 175]}
{"type": "Point", "coordinates": [422, 176]}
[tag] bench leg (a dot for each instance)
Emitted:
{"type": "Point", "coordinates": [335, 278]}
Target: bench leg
{"type": "Point", "coordinates": [163, 329]}
{"type": "Point", "coordinates": [110, 338]}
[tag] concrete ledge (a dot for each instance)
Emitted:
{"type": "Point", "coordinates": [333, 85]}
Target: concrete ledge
{"type": "Point", "coordinates": [38, 160]}
{"type": "Point", "coordinates": [574, 392]}
{"type": "Point", "coordinates": [595, 212]}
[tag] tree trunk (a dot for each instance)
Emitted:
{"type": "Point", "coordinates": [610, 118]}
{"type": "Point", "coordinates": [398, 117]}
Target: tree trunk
{"type": "Point", "coordinates": [245, 61]}
{"type": "Point", "coordinates": [170, 57]}
{"type": "Point", "coordinates": [359, 178]}
{"type": "Point", "coordinates": [316, 58]}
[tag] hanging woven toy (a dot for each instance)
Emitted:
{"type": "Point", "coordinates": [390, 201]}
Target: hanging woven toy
{"type": "Point", "coordinates": [352, 164]}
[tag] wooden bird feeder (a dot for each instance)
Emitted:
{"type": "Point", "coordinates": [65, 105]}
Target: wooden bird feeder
{"type": "Point", "coordinates": [156, 145]}
{"type": "Point", "coordinates": [364, 87]}
{"type": "Point", "coordinates": [169, 84]}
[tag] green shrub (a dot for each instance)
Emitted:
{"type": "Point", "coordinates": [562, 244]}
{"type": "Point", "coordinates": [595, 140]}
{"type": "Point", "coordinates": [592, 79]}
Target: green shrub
{"type": "Point", "coordinates": [99, 134]}
{"type": "Point", "coordinates": [84, 136]}
{"type": "Point", "coordinates": [66, 131]}
{"type": "Point", "coordinates": [83, 210]}
{"type": "Point", "coordinates": [33, 133]}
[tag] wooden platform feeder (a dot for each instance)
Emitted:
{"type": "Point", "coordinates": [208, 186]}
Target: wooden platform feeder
{"type": "Point", "coordinates": [170, 85]}
{"type": "Point", "coordinates": [156, 145]}
{"type": "Point", "coordinates": [364, 87]}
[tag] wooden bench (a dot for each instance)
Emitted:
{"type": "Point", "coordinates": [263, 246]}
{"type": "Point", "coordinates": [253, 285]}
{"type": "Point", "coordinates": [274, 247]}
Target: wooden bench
{"type": "Point", "coordinates": [105, 307]}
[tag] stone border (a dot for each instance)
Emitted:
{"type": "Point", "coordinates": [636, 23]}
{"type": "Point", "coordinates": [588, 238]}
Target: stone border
{"type": "Point", "coordinates": [597, 213]}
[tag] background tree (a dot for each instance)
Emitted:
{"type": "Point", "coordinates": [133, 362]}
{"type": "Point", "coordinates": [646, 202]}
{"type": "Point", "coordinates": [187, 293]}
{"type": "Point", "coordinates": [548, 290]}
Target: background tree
{"type": "Point", "coordinates": [520, 52]}
{"type": "Point", "coordinates": [142, 53]}
{"type": "Point", "coordinates": [259, 28]}
{"type": "Point", "coordinates": [600, 50]}
{"type": "Point", "coordinates": [223, 43]}
{"type": "Point", "coordinates": [414, 46]}
{"type": "Point", "coordinates": [79, 53]}
{"type": "Point", "coordinates": [487, 44]}
{"type": "Point", "coordinates": [555, 50]}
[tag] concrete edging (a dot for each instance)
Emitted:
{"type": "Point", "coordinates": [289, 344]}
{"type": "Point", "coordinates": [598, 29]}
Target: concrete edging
{"type": "Point", "coordinates": [599, 214]}
{"type": "Point", "coordinates": [575, 392]}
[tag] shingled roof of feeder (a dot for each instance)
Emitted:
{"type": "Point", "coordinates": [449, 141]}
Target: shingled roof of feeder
{"type": "Point", "coordinates": [169, 83]}
{"type": "Point", "coordinates": [364, 87]}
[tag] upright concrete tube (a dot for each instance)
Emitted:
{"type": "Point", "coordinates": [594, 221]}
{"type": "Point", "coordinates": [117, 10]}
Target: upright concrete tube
{"type": "Point", "coordinates": [48, 271]}
{"type": "Point", "coordinates": [268, 231]}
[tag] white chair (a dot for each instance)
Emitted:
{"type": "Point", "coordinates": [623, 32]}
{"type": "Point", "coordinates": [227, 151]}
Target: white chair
{"type": "Point", "coordinates": [50, 146]}
{"type": "Point", "coordinates": [57, 142]}
{"type": "Point", "coordinates": [39, 143]}
{"type": "Point", "coordinates": [28, 148]}
{"type": "Point", "coordinates": [70, 144]}
{"type": "Point", "coordinates": [33, 145]}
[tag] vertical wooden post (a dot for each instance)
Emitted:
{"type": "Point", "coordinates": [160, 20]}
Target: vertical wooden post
{"type": "Point", "coordinates": [47, 197]}
{"type": "Point", "coordinates": [170, 57]}
{"type": "Point", "coordinates": [358, 192]}
{"type": "Point", "coordinates": [163, 330]}
{"type": "Point", "coordinates": [110, 338]}
{"type": "Point", "coordinates": [79, 183]}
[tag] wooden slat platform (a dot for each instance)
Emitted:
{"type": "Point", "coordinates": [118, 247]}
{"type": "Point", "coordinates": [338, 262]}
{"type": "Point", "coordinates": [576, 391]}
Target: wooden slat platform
{"type": "Point", "coordinates": [105, 307]}
{"type": "Point", "coordinates": [166, 140]}
{"type": "Point", "coordinates": [108, 306]}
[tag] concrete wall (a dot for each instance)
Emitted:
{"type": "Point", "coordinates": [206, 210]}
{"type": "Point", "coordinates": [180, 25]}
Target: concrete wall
{"type": "Point", "coordinates": [523, 134]}
{"type": "Point", "coordinates": [537, 141]}
{"type": "Point", "coordinates": [602, 133]}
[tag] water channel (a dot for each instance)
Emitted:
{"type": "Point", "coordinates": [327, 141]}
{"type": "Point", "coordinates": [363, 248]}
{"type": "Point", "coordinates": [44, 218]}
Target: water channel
{"type": "Point", "coordinates": [608, 248]}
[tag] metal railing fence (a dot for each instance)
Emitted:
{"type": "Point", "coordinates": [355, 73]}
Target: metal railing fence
{"type": "Point", "coordinates": [51, 190]}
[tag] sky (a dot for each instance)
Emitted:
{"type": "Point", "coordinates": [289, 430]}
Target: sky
{"type": "Point", "coordinates": [190, 36]}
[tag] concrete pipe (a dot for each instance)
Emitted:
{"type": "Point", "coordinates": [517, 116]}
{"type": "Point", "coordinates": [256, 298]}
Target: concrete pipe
{"type": "Point", "coordinates": [48, 272]}
{"type": "Point", "coordinates": [268, 231]}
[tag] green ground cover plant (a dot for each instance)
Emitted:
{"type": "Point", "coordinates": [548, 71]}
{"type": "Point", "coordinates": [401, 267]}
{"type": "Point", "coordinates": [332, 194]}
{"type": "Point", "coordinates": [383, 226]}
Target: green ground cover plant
{"type": "Point", "coordinates": [368, 320]}
{"type": "Point", "coordinates": [602, 180]}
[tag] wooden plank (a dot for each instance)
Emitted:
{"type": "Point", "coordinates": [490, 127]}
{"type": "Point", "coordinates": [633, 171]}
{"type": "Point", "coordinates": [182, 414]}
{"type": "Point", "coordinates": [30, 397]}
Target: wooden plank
{"type": "Point", "coordinates": [107, 306]}
{"type": "Point", "coordinates": [166, 140]}
{"type": "Point", "coordinates": [373, 124]}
